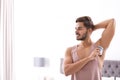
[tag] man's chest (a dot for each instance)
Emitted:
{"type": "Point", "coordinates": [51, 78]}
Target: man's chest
{"type": "Point", "coordinates": [83, 52]}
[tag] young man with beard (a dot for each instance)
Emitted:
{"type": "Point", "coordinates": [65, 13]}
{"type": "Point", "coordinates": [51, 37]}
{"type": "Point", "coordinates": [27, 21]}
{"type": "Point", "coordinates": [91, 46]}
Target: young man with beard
{"type": "Point", "coordinates": [83, 61]}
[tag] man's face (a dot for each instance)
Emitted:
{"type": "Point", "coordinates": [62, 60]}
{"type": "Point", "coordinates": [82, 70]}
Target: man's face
{"type": "Point", "coordinates": [81, 31]}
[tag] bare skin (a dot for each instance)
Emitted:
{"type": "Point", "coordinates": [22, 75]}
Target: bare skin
{"type": "Point", "coordinates": [84, 47]}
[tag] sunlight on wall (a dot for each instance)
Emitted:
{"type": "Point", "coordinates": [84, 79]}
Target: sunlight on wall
{"type": "Point", "coordinates": [45, 28]}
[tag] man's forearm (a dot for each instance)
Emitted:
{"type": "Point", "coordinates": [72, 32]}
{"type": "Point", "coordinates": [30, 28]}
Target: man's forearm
{"type": "Point", "coordinates": [103, 24]}
{"type": "Point", "coordinates": [75, 67]}
{"type": "Point", "coordinates": [109, 29]}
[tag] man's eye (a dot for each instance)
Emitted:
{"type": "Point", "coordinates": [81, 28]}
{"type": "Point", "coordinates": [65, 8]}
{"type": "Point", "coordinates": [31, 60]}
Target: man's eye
{"type": "Point", "coordinates": [78, 28]}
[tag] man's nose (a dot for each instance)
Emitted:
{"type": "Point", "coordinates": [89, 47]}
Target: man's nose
{"type": "Point", "coordinates": [76, 32]}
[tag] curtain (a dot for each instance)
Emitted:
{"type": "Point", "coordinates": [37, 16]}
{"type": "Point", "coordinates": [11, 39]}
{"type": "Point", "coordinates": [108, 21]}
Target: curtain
{"type": "Point", "coordinates": [6, 31]}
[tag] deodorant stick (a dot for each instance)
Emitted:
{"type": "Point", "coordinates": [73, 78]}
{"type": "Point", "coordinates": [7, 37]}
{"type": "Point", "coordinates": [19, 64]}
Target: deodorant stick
{"type": "Point", "coordinates": [101, 49]}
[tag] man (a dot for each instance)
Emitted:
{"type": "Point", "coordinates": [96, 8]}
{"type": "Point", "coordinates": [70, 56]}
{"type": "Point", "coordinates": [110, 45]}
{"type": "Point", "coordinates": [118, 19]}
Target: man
{"type": "Point", "coordinates": [83, 61]}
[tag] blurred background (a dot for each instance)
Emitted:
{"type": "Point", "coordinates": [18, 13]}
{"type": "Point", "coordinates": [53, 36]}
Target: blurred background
{"type": "Point", "coordinates": [43, 29]}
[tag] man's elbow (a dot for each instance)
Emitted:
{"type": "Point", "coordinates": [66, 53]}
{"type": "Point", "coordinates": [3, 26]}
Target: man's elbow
{"type": "Point", "coordinates": [113, 21]}
{"type": "Point", "coordinates": [114, 24]}
{"type": "Point", "coordinates": [66, 72]}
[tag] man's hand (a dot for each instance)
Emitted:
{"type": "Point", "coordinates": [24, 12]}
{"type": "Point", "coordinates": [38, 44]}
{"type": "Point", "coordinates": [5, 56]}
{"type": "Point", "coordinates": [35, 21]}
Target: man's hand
{"type": "Point", "coordinates": [94, 53]}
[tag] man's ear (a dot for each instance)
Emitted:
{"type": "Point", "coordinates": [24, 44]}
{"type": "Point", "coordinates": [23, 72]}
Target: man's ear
{"type": "Point", "coordinates": [90, 30]}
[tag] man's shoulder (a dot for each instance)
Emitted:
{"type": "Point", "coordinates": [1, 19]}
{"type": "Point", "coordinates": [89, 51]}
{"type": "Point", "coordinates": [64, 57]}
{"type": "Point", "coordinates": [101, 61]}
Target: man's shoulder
{"type": "Point", "coordinates": [70, 48]}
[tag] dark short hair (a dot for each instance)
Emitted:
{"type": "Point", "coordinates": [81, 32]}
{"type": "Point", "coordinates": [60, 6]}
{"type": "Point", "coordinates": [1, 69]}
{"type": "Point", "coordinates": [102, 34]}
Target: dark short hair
{"type": "Point", "coordinates": [88, 23]}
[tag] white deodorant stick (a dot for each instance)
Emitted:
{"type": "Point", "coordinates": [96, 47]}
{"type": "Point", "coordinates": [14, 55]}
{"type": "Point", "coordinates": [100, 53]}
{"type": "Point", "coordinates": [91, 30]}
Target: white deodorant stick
{"type": "Point", "coordinates": [101, 49]}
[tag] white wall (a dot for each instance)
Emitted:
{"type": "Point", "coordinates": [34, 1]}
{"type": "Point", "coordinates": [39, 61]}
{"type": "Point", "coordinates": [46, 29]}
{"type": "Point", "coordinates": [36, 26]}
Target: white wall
{"type": "Point", "coordinates": [46, 28]}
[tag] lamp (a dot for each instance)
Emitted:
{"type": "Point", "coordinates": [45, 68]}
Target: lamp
{"type": "Point", "coordinates": [41, 62]}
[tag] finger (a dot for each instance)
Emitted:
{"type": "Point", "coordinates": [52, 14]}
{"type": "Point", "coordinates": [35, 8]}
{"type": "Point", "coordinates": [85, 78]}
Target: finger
{"type": "Point", "coordinates": [97, 49]}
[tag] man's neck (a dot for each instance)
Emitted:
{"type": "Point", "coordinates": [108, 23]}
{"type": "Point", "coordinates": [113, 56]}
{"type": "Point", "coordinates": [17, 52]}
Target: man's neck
{"type": "Point", "coordinates": [86, 43]}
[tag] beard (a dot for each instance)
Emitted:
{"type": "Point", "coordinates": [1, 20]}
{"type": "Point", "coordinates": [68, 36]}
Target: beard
{"type": "Point", "coordinates": [84, 36]}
